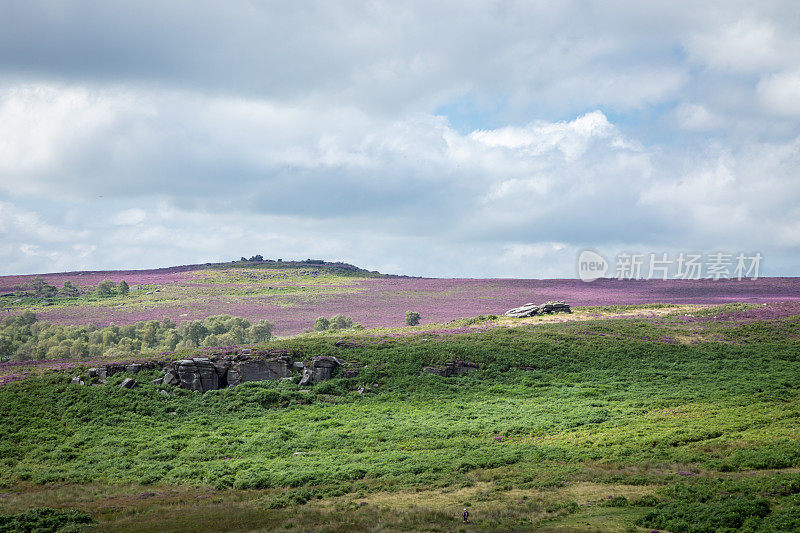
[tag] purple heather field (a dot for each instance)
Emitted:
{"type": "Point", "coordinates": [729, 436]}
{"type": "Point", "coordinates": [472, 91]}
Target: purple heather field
{"type": "Point", "coordinates": [188, 294]}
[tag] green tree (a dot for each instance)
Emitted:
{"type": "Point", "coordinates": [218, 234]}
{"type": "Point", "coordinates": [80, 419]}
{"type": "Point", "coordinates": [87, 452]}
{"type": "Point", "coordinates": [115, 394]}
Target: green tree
{"type": "Point", "coordinates": [106, 288]}
{"type": "Point", "coordinates": [237, 335]}
{"type": "Point", "coordinates": [69, 289]}
{"type": "Point", "coordinates": [26, 317]}
{"type": "Point", "coordinates": [262, 331]}
{"type": "Point", "coordinates": [321, 324]}
{"type": "Point", "coordinates": [194, 332]}
{"type": "Point", "coordinates": [172, 339]}
{"type": "Point", "coordinates": [150, 334]}
{"type": "Point", "coordinates": [340, 322]}
{"type": "Point", "coordinates": [6, 348]}
{"type": "Point", "coordinates": [43, 289]}
{"type": "Point", "coordinates": [124, 288]}
{"type": "Point", "coordinates": [412, 318]}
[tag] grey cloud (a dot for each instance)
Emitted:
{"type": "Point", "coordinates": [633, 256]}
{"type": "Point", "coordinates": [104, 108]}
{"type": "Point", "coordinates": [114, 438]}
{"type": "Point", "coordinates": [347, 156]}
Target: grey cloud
{"type": "Point", "coordinates": [133, 130]}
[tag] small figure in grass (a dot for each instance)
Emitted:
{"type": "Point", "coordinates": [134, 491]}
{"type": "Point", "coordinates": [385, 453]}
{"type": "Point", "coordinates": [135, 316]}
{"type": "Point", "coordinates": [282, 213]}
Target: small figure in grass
{"type": "Point", "coordinates": [466, 515]}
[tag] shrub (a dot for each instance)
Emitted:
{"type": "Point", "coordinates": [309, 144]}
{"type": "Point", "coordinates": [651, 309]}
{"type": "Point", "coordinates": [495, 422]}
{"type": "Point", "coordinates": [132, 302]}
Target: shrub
{"type": "Point", "coordinates": [412, 318]}
{"type": "Point", "coordinates": [715, 515]}
{"type": "Point", "coordinates": [262, 331]}
{"type": "Point", "coordinates": [106, 288]}
{"type": "Point", "coordinates": [70, 289]}
{"type": "Point", "coordinates": [616, 501]}
{"type": "Point", "coordinates": [340, 322]}
{"type": "Point", "coordinates": [321, 324]}
{"type": "Point", "coordinates": [783, 520]}
{"type": "Point", "coordinates": [44, 519]}
{"type": "Point", "coordinates": [43, 289]}
{"type": "Point", "coordinates": [124, 288]}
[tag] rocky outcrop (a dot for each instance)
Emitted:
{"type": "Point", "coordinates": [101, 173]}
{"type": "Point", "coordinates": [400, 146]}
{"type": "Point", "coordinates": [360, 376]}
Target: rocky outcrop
{"type": "Point", "coordinates": [541, 309]}
{"type": "Point", "coordinates": [453, 368]}
{"type": "Point", "coordinates": [106, 371]}
{"type": "Point", "coordinates": [203, 374]}
{"type": "Point", "coordinates": [198, 374]}
{"type": "Point", "coordinates": [264, 369]}
{"type": "Point", "coordinates": [320, 369]}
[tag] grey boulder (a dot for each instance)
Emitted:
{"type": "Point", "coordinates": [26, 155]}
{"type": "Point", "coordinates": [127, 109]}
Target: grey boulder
{"type": "Point", "coordinates": [531, 309]}
{"type": "Point", "coordinates": [128, 383]}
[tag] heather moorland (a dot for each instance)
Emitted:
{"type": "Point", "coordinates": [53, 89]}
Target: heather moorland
{"type": "Point", "coordinates": [667, 406]}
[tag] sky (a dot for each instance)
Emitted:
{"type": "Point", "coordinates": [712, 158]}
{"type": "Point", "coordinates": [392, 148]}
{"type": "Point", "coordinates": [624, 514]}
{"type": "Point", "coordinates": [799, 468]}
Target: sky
{"type": "Point", "coordinates": [430, 138]}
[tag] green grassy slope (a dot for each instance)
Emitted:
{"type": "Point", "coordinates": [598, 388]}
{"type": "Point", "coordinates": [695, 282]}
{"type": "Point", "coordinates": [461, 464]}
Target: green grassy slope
{"type": "Point", "coordinates": [615, 430]}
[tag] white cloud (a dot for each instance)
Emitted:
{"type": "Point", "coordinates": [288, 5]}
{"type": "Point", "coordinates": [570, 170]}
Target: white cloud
{"type": "Point", "coordinates": [129, 217]}
{"type": "Point", "coordinates": [572, 138]}
{"type": "Point", "coordinates": [746, 45]}
{"type": "Point", "coordinates": [780, 92]}
{"type": "Point", "coordinates": [696, 117]}
{"type": "Point", "coordinates": [396, 135]}
{"type": "Point", "coordinates": [16, 223]}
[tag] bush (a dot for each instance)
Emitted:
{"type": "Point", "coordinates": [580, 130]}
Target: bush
{"type": "Point", "coordinates": [715, 515]}
{"type": "Point", "coordinates": [70, 289]}
{"type": "Point", "coordinates": [340, 322]}
{"type": "Point", "coordinates": [124, 288]}
{"type": "Point", "coordinates": [783, 520]}
{"type": "Point", "coordinates": [44, 519]}
{"type": "Point", "coordinates": [334, 323]}
{"type": "Point", "coordinates": [412, 318]}
{"type": "Point", "coordinates": [616, 501]}
{"type": "Point", "coordinates": [43, 289]}
{"type": "Point", "coordinates": [262, 331]}
{"type": "Point", "coordinates": [321, 324]}
{"type": "Point", "coordinates": [106, 288]}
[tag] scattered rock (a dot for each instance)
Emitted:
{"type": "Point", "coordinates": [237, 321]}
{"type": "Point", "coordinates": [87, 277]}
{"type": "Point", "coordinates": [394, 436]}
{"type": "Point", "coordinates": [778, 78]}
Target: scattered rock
{"type": "Point", "coordinates": [532, 309]}
{"type": "Point", "coordinates": [322, 368]}
{"type": "Point", "coordinates": [105, 372]}
{"type": "Point", "coordinates": [171, 377]}
{"type": "Point", "coordinates": [77, 381]}
{"type": "Point", "coordinates": [128, 383]}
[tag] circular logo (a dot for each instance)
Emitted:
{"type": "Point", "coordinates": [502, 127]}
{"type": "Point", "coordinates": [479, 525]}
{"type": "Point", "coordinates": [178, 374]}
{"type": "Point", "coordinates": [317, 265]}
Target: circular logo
{"type": "Point", "coordinates": [591, 265]}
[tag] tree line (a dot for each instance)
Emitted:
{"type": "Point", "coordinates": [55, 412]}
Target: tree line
{"type": "Point", "coordinates": [24, 338]}
{"type": "Point", "coordinates": [39, 288]}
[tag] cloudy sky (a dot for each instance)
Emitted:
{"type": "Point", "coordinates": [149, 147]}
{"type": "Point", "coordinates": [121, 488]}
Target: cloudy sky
{"type": "Point", "coordinates": [469, 139]}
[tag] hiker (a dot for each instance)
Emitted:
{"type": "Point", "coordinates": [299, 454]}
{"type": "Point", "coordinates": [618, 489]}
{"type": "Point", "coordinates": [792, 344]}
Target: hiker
{"type": "Point", "coordinates": [466, 515]}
